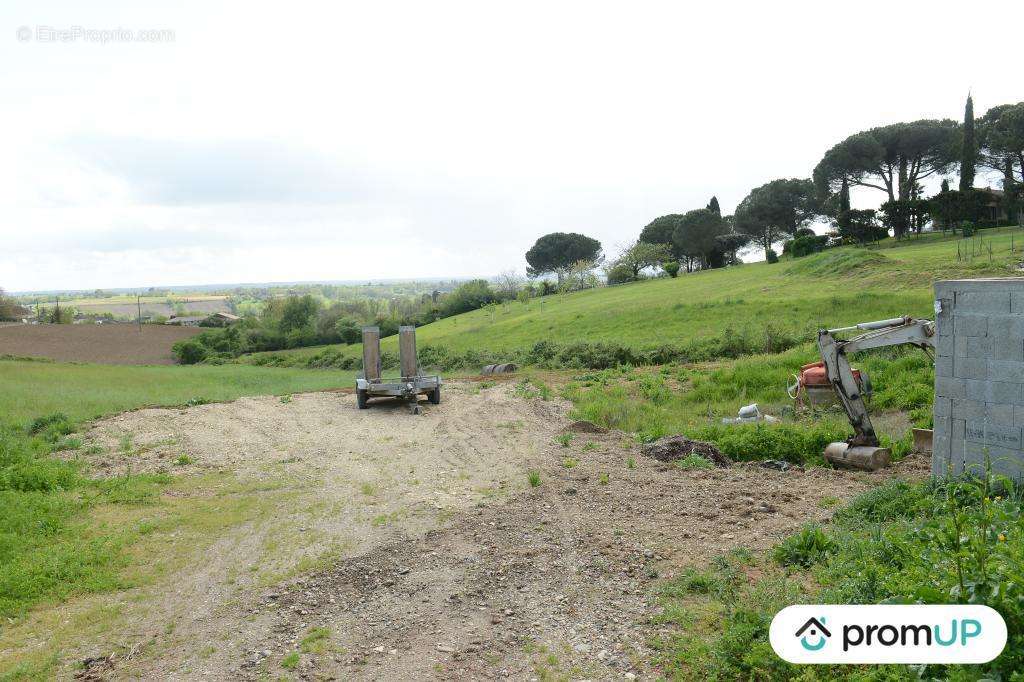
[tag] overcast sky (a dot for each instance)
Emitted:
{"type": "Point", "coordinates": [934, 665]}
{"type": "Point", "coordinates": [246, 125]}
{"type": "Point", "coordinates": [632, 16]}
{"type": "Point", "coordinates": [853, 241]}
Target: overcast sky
{"type": "Point", "coordinates": [343, 140]}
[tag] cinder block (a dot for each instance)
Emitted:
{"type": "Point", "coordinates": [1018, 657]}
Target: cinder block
{"type": "Point", "coordinates": [1006, 348]}
{"type": "Point", "coordinates": [986, 301]}
{"type": "Point", "coordinates": [951, 387]}
{"type": "Point", "coordinates": [960, 345]}
{"type": "Point", "coordinates": [999, 414]}
{"type": "Point", "coordinates": [1003, 392]}
{"type": "Point", "coordinates": [944, 366]}
{"type": "Point", "coordinates": [958, 429]}
{"type": "Point", "coordinates": [943, 407]}
{"type": "Point", "coordinates": [944, 313]}
{"type": "Point", "coordinates": [970, 368]}
{"type": "Point", "coordinates": [940, 449]}
{"type": "Point", "coordinates": [1018, 415]}
{"type": "Point", "coordinates": [1001, 460]}
{"type": "Point", "coordinates": [987, 433]}
{"type": "Point", "coordinates": [978, 390]}
{"type": "Point", "coordinates": [968, 409]}
{"type": "Point", "coordinates": [980, 347]}
{"type": "Point", "coordinates": [1006, 370]}
{"type": "Point", "coordinates": [944, 346]}
{"type": "Point", "coordinates": [970, 325]}
{"type": "Point", "coordinates": [1017, 302]}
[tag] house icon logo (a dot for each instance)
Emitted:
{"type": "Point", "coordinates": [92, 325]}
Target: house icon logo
{"type": "Point", "coordinates": [815, 631]}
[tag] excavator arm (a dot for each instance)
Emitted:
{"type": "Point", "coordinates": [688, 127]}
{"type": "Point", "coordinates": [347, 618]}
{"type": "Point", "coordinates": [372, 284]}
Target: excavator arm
{"type": "Point", "coordinates": [862, 450]}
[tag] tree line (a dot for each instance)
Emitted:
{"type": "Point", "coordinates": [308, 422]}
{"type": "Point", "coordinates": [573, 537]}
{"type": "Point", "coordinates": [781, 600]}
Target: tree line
{"type": "Point", "coordinates": [893, 159]}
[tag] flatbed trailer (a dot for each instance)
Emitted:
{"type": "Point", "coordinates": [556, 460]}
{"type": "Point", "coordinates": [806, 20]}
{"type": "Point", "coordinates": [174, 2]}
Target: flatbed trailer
{"type": "Point", "coordinates": [409, 386]}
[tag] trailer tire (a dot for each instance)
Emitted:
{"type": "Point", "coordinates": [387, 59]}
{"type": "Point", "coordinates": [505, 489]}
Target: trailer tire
{"type": "Point", "coordinates": [362, 400]}
{"type": "Point", "coordinates": [435, 396]}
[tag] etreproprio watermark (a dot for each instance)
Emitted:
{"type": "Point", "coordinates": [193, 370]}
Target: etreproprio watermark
{"type": "Point", "coordinates": [98, 36]}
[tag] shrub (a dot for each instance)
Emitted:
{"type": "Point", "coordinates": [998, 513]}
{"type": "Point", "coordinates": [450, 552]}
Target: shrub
{"type": "Point", "coordinates": [619, 274]}
{"type": "Point", "coordinates": [672, 268]}
{"type": "Point", "coordinates": [189, 351]}
{"type": "Point", "coordinates": [771, 256]}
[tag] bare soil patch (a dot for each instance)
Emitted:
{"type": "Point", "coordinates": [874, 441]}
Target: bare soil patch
{"type": "Point", "coordinates": [112, 344]}
{"type": "Point", "coordinates": [451, 566]}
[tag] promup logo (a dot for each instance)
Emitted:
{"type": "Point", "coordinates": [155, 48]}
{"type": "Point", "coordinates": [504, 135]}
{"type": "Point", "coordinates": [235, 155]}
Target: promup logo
{"type": "Point", "coordinates": [888, 634]}
{"type": "Point", "coordinates": [817, 628]}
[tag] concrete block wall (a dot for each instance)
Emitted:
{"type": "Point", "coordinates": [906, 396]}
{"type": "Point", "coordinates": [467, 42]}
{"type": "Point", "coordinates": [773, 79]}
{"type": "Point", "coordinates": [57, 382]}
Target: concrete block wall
{"type": "Point", "coordinates": [979, 376]}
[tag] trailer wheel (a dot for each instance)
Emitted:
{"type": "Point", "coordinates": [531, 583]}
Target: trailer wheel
{"type": "Point", "coordinates": [435, 396]}
{"type": "Point", "coordinates": [361, 398]}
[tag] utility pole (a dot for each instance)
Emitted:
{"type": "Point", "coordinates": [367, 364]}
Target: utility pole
{"type": "Point", "coordinates": [138, 303]}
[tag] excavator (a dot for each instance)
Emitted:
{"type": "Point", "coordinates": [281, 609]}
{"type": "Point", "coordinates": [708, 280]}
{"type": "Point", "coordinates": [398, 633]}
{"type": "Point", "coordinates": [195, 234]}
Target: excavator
{"type": "Point", "coordinates": [862, 450]}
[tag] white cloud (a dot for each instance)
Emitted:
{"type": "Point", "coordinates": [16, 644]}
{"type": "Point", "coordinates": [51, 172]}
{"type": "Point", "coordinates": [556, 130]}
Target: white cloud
{"type": "Point", "coordinates": [355, 140]}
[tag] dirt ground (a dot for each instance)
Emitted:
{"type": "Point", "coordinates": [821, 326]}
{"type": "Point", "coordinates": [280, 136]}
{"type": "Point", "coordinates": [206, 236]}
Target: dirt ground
{"type": "Point", "coordinates": [112, 344]}
{"type": "Point", "coordinates": [444, 562]}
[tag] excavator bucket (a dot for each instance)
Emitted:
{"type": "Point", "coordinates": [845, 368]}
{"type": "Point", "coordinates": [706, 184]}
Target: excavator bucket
{"type": "Point", "coordinates": [862, 457]}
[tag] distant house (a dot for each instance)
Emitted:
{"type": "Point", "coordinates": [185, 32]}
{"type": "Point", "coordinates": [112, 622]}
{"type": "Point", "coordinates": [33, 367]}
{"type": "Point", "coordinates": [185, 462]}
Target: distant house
{"type": "Point", "coordinates": [185, 320]}
{"type": "Point", "coordinates": [213, 320]}
{"type": "Point", "coordinates": [222, 319]}
{"type": "Point", "coordinates": [995, 208]}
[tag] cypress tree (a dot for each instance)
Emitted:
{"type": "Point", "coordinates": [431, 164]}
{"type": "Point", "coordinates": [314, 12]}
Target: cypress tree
{"type": "Point", "coordinates": [843, 214]}
{"type": "Point", "coordinates": [969, 149]}
{"type": "Point", "coordinates": [714, 207]}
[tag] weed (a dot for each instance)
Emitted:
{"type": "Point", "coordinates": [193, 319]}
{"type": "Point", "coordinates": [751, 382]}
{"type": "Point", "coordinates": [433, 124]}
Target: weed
{"type": "Point", "coordinates": [694, 462]}
{"type": "Point", "coordinates": [807, 547]}
{"type": "Point", "coordinates": [564, 439]}
{"type": "Point", "coordinates": [286, 399]}
{"type": "Point", "coordinates": [602, 478]}
{"type": "Point", "coordinates": [631, 462]}
{"type": "Point", "coordinates": [316, 641]}
{"type": "Point", "coordinates": [828, 501]}
{"type": "Point", "coordinates": [291, 661]}
{"type": "Point", "coordinates": [590, 446]}
{"type": "Point", "coordinates": [570, 462]}
{"type": "Point", "coordinates": [195, 402]}
{"type": "Point", "coordinates": [183, 460]}
{"type": "Point", "coordinates": [368, 489]}
{"type": "Point", "coordinates": [534, 478]}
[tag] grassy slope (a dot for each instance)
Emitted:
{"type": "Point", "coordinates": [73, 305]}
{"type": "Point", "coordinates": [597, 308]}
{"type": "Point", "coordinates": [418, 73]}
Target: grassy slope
{"type": "Point", "coordinates": [83, 391]}
{"type": "Point", "coordinates": [842, 286]}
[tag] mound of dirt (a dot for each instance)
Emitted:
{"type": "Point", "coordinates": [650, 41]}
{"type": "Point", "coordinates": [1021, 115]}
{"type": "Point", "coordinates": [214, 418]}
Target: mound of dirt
{"type": "Point", "coordinates": [583, 426]}
{"type": "Point", "coordinates": [677, 447]}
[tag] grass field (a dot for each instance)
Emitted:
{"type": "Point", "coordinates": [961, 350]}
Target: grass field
{"type": "Point", "coordinates": [83, 391]}
{"type": "Point", "coordinates": [127, 305]}
{"type": "Point", "coordinates": [838, 287]}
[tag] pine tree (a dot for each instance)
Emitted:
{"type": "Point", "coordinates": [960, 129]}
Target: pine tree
{"type": "Point", "coordinates": [714, 207]}
{"type": "Point", "coordinates": [969, 150]}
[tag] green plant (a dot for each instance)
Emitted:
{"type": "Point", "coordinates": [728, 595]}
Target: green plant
{"type": "Point", "coordinates": [602, 478]}
{"type": "Point", "coordinates": [534, 478]}
{"type": "Point", "coordinates": [286, 399]}
{"type": "Point", "coordinates": [569, 462]}
{"type": "Point", "coordinates": [694, 462]}
{"type": "Point", "coordinates": [564, 439]}
{"type": "Point", "coordinates": [316, 641]}
{"type": "Point", "coordinates": [631, 462]}
{"type": "Point", "coordinates": [809, 546]}
{"type": "Point", "coordinates": [183, 460]}
{"type": "Point", "coordinates": [291, 661]}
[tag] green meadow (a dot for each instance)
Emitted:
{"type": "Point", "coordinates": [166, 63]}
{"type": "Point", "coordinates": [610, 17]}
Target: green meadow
{"type": "Point", "coordinates": [84, 391]}
{"type": "Point", "coordinates": [837, 287]}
